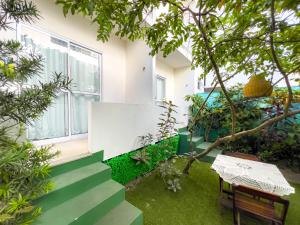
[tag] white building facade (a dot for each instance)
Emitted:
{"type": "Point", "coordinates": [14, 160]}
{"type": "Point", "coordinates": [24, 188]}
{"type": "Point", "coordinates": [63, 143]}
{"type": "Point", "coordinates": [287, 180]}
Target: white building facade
{"type": "Point", "coordinates": [117, 72]}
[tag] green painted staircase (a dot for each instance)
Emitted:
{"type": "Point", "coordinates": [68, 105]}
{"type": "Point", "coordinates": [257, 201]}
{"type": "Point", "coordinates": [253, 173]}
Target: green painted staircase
{"type": "Point", "coordinates": [85, 194]}
{"type": "Point", "coordinates": [199, 145]}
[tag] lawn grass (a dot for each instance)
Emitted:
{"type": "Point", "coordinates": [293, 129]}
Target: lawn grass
{"type": "Point", "coordinates": [196, 204]}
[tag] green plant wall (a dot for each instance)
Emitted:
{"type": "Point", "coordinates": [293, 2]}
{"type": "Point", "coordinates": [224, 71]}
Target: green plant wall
{"type": "Point", "coordinates": [124, 168]}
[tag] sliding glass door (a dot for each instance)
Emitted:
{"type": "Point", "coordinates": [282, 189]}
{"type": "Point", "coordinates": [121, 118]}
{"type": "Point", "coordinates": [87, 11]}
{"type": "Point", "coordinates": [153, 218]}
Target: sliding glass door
{"type": "Point", "coordinates": [68, 115]}
{"type": "Point", "coordinates": [85, 74]}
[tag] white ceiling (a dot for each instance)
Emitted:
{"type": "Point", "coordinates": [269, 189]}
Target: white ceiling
{"type": "Point", "coordinates": [176, 59]}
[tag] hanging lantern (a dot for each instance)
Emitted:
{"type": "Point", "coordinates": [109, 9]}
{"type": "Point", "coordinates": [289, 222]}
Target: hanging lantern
{"type": "Point", "coordinates": [258, 86]}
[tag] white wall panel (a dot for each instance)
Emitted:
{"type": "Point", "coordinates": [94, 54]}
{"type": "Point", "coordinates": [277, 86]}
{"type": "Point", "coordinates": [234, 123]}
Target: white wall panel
{"type": "Point", "coordinates": [115, 127]}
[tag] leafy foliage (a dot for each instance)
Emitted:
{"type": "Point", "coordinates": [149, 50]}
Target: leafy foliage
{"type": "Point", "coordinates": [171, 175]}
{"type": "Point", "coordinates": [124, 169]}
{"type": "Point", "coordinates": [23, 172]}
{"type": "Point", "coordinates": [196, 102]}
{"type": "Point", "coordinates": [166, 126]}
{"type": "Point", "coordinates": [24, 168]}
{"type": "Point", "coordinates": [280, 95]}
{"type": "Point", "coordinates": [280, 142]}
{"type": "Point", "coordinates": [167, 169]}
{"type": "Point", "coordinates": [248, 113]}
{"type": "Point", "coordinates": [17, 10]}
{"type": "Point", "coordinates": [217, 115]}
{"type": "Point", "coordinates": [143, 156]}
{"type": "Point", "coordinates": [277, 142]}
{"type": "Point", "coordinates": [166, 130]}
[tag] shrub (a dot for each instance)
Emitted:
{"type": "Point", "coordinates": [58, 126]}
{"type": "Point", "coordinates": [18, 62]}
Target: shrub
{"type": "Point", "coordinates": [280, 141]}
{"type": "Point", "coordinates": [23, 173]}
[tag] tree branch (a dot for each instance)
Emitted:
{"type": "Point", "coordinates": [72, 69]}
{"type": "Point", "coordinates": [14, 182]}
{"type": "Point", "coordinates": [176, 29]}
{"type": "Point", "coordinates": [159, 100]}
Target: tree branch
{"type": "Point", "coordinates": [216, 69]}
{"type": "Point", "coordinates": [276, 60]}
{"type": "Point", "coordinates": [183, 9]}
{"type": "Point", "coordinates": [201, 108]}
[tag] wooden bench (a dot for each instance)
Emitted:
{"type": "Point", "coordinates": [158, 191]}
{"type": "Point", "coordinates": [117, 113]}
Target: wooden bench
{"type": "Point", "coordinates": [262, 206]}
{"type": "Point", "coordinates": [243, 156]}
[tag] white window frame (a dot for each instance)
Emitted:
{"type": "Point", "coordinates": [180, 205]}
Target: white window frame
{"type": "Point", "coordinates": [165, 88]}
{"type": "Point", "coordinates": [69, 41]}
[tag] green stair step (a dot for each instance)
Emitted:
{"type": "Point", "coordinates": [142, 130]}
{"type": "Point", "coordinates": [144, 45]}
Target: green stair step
{"type": "Point", "coordinates": [76, 175]}
{"type": "Point", "coordinates": [123, 214]}
{"type": "Point", "coordinates": [210, 157]}
{"type": "Point", "coordinates": [74, 182]}
{"type": "Point", "coordinates": [85, 208]}
{"type": "Point", "coordinates": [182, 129]}
{"type": "Point", "coordinates": [184, 133]}
{"type": "Point", "coordinates": [204, 145]}
{"type": "Point", "coordinates": [184, 141]}
{"type": "Point", "coordinates": [60, 169]}
{"type": "Point", "coordinates": [214, 153]}
{"type": "Point", "coordinates": [196, 140]}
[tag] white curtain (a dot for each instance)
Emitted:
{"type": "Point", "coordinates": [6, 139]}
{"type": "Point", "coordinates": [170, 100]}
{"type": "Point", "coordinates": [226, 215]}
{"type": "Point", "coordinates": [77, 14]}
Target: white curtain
{"type": "Point", "coordinates": [85, 74]}
{"type": "Point", "coordinates": [84, 71]}
{"type": "Point", "coordinates": [79, 111]}
{"type": "Point", "coordinates": [54, 122]}
{"type": "Point", "coordinates": [55, 59]}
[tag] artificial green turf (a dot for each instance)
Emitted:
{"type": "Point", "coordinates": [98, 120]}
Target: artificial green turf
{"type": "Point", "coordinates": [196, 204]}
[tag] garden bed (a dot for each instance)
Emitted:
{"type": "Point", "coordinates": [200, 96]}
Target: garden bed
{"type": "Point", "coordinates": [196, 204]}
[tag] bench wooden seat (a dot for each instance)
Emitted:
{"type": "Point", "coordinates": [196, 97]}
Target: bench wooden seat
{"type": "Point", "coordinates": [256, 207]}
{"type": "Point", "coordinates": [243, 156]}
{"type": "Point", "coordinates": [262, 205]}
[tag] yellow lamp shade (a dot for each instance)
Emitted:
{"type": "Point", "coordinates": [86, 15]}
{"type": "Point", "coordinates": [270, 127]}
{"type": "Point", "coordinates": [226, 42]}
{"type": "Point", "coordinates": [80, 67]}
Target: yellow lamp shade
{"type": "Point", "coordinates": [258, 86]}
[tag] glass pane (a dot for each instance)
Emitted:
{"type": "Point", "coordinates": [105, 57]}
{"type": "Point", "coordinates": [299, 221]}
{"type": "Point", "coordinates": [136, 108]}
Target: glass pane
{"type": "Point", "coordinates": [79, 110]}
{"type": "Point", "coordinates": [84, 69]}
{"type": "Point", "coordinates": [53, 123]}
{"type": "Point", "coordinates": [160, 89]}
{"type": "Point", "coordinates": [53, 50]}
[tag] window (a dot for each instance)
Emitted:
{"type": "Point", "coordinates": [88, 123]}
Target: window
{"type": "Point", "coordinates": [160, 88]}
{"type": "Point", "coordinates": [198, 84]}
{"type": "Point", "coordinates": [85, 73]}
{"type": "Point", "coordinates": [69, 113]}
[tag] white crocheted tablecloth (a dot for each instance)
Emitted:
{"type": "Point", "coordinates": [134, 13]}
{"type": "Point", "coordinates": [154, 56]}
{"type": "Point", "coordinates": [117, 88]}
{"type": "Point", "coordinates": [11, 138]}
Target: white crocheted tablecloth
{"type": "Point", "coordinates": [253, 174]}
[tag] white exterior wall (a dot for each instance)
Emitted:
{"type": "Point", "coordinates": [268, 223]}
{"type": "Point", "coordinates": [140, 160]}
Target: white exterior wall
{"type": "Point", "coordinates": [81, 31]}
{"type": "Point", "coordinates": [179, 83]}
{"type": "Point", "coordinates": [115, 127]}
{"type": "Point", "coordinates": [167, 72]}
{"type": "Point", "coordinates": [184, 84]}
{"type": "Point", "coordinates": [139, 73]}
{"type": "Point", "coordinates": [127, 76]}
